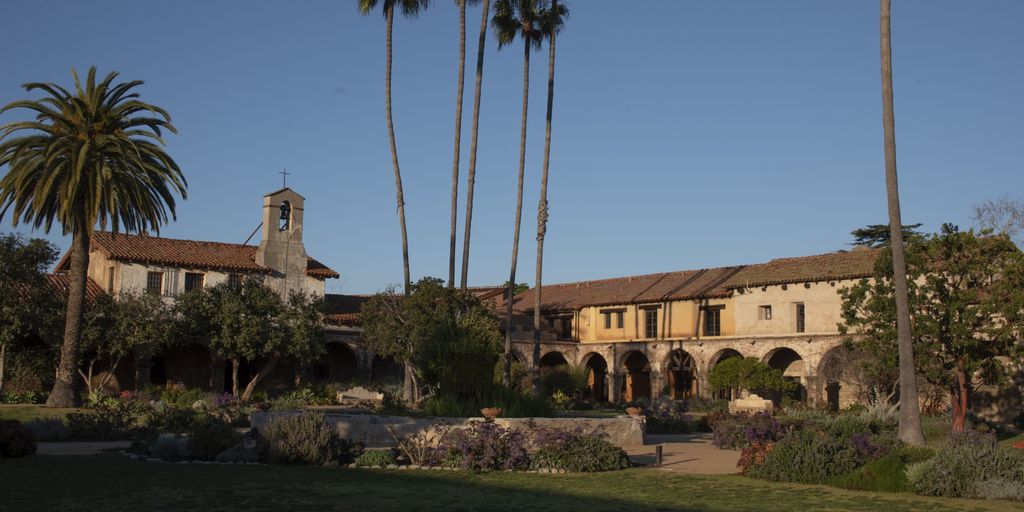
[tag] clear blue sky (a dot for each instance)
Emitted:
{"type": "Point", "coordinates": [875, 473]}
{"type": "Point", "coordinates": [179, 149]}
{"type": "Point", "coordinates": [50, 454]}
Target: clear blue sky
{"type": "Point", "coordinates": [686, 134]}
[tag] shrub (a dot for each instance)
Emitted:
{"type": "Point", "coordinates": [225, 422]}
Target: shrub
{"type": "Point", "coordinates": [103, 423]}
{"type": "Point", "coordinates": [962, 467]}
{"type": "Point", "coordinates": [48, 429]}
{"type": "Point", "coordinates": [484, 446]}
{"type": "Point", "coordinates": [305, 439]}
{"type": "Point", "coordinates": [169, 447]}
{"type": "Point", "coordinates": [738, 431]}
{"type": "Point", "coordinates": [886, 474]}
{"type": "Point", "coordinates": [23, 397]}
{"type": "Point", "coordinates": [585, 453]}
{"type": "Point", "coordinates": [669, 417]}
{"type": "Point", "coordinates": [808, 456]}
{"type": "Point", "coordinates": [753, 455]}
{"type": "Point", "coordinates": [512, 403]}
{"type": "Point", "coordinates": [376, 459]}
{"type": "Point", "coordinates": [164, 418]}
{"type": "Point", "coordinates": [421, 448]}
{"type": "Point", "coordinates": [15, 440]}
{"type": "Point", "coordinates": [210, 436]}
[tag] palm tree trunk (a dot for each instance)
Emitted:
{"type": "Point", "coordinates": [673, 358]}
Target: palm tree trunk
{"type": "Point", "coordinates": [471, 172]}
{"type": "Point", "coordinates": [460, 82]}
{"type": "Point", "coordinates": [519, 215]}
{"type": "Point", "coordinates": [542, 204]}
{"type": "Point", "coordinates": [910, 418]}
{"type": "Point", "coordinates": [65, 392]}
{"type": "Point", "coordinates": [399, 194]}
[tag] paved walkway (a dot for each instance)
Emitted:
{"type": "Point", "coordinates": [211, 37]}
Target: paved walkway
{"type": "Point", "coordinates": [691, 453]}
{"type": "Point", "coordinates": [77, 448]}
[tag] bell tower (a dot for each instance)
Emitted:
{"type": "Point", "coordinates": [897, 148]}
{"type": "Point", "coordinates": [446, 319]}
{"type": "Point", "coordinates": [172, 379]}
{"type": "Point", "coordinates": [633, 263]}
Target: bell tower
{"type": "Point", "coordinates": [281, 247]}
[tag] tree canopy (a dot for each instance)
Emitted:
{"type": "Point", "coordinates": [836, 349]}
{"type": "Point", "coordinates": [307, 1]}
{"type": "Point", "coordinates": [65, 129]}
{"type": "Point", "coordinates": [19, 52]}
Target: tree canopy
{"type": "Point", "coordinates": [966, 301]}
{"type": "Point", "coordinates": [451, 339]}
{"type": "Point", "coordinates": [736, 373]}
{"type": "Point", "coordinates": [251, 323]}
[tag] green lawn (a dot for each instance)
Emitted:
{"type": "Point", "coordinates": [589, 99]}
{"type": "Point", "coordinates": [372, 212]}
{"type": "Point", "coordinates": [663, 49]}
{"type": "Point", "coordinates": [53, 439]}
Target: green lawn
{"type": "Point", "coordinates": [25, 413]}
{"type": "Point", "coordinates": [109, 482]}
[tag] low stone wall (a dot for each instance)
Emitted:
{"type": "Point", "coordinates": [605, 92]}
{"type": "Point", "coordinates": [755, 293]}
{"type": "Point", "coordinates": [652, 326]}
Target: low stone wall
{"type": "Point", "coordinates": [372, 429]}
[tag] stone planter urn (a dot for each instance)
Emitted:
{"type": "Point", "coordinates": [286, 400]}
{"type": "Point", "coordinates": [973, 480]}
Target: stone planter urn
{"type": "Point", "coordinates": [491, 412]}
{"type": "Point", "coordinates": [634, 411]}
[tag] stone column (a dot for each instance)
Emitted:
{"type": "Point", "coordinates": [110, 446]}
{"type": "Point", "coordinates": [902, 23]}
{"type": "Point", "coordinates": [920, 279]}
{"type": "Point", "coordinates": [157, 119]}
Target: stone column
{"type": "Point", "coordinates": [615, 387]}
{"type": "Point", "coordinates": [657, 383]}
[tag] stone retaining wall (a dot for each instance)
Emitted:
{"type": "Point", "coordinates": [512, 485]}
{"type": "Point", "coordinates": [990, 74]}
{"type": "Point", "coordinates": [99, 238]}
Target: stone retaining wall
{"type": "Point", "coordinates": [372, 429]}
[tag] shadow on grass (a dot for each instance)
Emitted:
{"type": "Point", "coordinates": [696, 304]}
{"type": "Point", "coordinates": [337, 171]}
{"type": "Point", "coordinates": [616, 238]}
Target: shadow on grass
{"type": "Point", "coordinates": [107, 482]}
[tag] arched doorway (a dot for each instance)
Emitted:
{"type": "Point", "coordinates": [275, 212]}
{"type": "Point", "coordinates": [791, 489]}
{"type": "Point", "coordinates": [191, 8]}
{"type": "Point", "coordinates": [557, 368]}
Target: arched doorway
{"type": "Point", "coordinates": [554, 375]}
{"type": "Point", "coordinates": [791, 365]}
{"type": "Point", "coordinates": [681, 375]}
{"type": "Point", "coordinates": [338, 364]}
{"type": "Point", "coordinates": [637, 384]}
{"type": "Point", "coordinates": [722, 355]}
{"type": "Point", "coordinates": [597, 376]}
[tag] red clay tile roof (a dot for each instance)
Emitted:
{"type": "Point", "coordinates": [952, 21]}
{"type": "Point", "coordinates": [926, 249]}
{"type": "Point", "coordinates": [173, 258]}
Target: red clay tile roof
{"type": "Point", "coordinates": [343, 309]}
{"type": "Point", "coordinates": [316, 269]}
{"type": "Point", "coordinates": [699, 284]}
{"type": "Point", "coordinates": [682, 285]}
{"type": "Point", "coordinates": [833, 266]}
{"type": "Point", "coordinates": [187, 253]}
{"type": "Point", "coordinates": [60, 282]}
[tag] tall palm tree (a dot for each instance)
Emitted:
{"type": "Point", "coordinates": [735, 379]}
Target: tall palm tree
{"type": "Point", "coordinates": [90, 157]}
{"type": "Point", "coordinates": [460, 82]}
{"type": "Point", "coordinates": [522, 18]}
{"type": "Point", "coordinates": [554, 20]}
{"type": "Point", "coordinates": [910, 418]}
{"type": "Point", "coordinates": [471, 172]}
{"type": "Point", "coordinates": [410, 9]}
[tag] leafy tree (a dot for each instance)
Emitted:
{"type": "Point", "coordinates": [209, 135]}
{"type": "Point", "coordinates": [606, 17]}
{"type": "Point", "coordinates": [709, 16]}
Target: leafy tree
{"type": "Point", "coordinates": [554, 21]}
{"type": "Point", "coordinates": [131, 326]}
{"type": "Point", "coordinates": [910, 416]}
{"type": "Point", "coordinates": [737, 373]}
{"type": "Point", "coordinates": [252, 323]}
{"type": "Point", "coordinates": [966, 299]}
{"type": "Point", "coordinates": [878, 235]}
{"type": "Point", "coordinates": [523, 18]}
{"type": "Point", "coordinates": [94, 156]}
{"type": "Point", "coordinates": [451, 339]}
{"type": "Point", "coordinates": [471, 172]}
{"type": "Point", "coordinates": [27, 302]}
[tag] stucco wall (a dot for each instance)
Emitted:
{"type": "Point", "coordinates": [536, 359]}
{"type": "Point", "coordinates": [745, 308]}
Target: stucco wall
{"type": "Point", "coordinates": [821, 300]}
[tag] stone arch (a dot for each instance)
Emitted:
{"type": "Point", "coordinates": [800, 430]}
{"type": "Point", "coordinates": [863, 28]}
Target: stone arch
{"type": "Point", "coordinates": [552, 360]}
{"type": "Point", "coordinates": [793, 368]}
{"type": "Point", "coordinates": [681, 375]}
{"type": "Point", "coordinates": [836, 378]}
{"type": "Point", "coordinates": [718, 357]}
{"type": "Point", "coordinates": [339, 363]}
{"type": "Point", "coordinates": [637, 383]}
{"type": "Point", "coordinates": [597, 376]}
